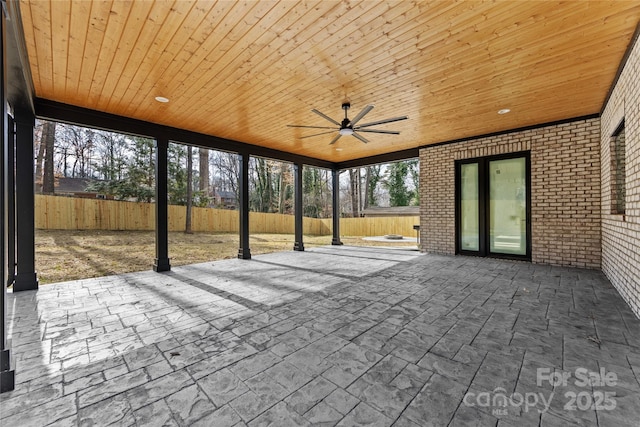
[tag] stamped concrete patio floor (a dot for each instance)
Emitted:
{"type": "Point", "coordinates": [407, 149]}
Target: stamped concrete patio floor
{"type": "Point", "coordinates": [332, 336]}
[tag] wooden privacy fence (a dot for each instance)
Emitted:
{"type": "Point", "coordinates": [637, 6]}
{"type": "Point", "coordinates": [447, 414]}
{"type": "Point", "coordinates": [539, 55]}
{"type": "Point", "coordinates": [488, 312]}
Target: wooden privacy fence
{"type": "Point", "coordinates": [378, 226]}
{"type": "Point", "coordinates": [69, 213]}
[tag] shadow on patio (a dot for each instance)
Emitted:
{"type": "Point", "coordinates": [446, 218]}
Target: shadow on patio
{"type": "Point", "coordinates": [334, 335]}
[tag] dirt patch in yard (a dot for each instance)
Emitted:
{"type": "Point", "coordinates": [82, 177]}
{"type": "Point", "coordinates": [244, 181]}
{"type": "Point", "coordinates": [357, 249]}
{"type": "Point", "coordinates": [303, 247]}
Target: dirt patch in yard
{"type": "Point", "coordinates": [63, 255]}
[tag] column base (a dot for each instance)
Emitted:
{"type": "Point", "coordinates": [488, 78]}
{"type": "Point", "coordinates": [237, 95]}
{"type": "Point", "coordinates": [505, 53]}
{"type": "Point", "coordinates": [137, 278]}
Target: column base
{"type": "Point", "coordinates": [298, 246]}
{"type": "Point", "coordinates": [25, 282]}
{"type": "Point", "coordinates": [161, 265]}
{"type": "Point", "coordinates": [7, 375]}
{"type": "Point", "coordinates": [336, 242]}
{"type": "Point", "coordinates": [244, 253]}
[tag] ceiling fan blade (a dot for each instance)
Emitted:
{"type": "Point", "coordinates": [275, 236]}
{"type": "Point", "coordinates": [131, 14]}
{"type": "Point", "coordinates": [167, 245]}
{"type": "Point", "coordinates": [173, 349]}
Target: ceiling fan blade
{"type": "Point", "coordinates": [360, 137]}
{"type": "Point", "coordinates": [362, 113]}
{"type": "Point", "coordinates": [379, 122]}
{"type": "Point", "coordinates": [324, 116]}
{"type": "Point", "coordinates": [312, 127]}
{"type": "Point", "coordinates": [316, 134]}
{"type": "Point", "coordinates": [334, 140]}
{"type": "Point", "coordinates": [391, 132]}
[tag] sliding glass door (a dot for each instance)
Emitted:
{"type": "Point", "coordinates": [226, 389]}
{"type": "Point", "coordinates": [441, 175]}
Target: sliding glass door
{"type": "Point", "coordinates": [492, 206]}
{"type": "Point", "coordinates": [469, 209]}
{"type": "Point", "coordinates": [507, 206]}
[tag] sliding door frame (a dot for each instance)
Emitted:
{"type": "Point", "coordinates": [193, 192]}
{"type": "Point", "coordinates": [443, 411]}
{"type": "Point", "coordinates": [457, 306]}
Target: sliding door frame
{"type": "Point", "coordinates": [483, 205]}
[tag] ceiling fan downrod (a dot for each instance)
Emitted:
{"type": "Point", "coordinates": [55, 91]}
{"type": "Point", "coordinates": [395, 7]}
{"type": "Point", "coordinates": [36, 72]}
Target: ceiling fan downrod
{"type": "Point", "coordinates": [345, 127]}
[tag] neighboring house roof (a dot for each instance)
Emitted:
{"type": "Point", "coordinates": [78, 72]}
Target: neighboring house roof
{"type": "Point", "coordinates": [72, 185]}
{"type": "Point", "coordinates": [392, 211]}
{"type": "Point", "coordinates": [226, 194]}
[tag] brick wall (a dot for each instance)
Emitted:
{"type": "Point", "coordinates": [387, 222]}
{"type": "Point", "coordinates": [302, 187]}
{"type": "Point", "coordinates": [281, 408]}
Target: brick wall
{"type": "Point", "coordinates": [565, 190]}
{"type": "Point", "coordinates": [621, 233]}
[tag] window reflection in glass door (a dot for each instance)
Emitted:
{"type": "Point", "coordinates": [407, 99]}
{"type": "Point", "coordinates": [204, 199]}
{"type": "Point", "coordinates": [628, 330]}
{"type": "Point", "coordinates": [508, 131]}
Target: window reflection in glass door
{"type": "Point", "coordinates": [469, 215]}
{"type": "Point", "coordinates": [508, 206]}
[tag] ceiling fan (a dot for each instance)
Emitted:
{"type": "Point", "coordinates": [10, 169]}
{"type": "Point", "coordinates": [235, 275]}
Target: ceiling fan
{"type": "Point", "coordinates": [351, 127]}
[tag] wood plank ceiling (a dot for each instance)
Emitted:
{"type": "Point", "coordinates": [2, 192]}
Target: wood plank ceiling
{"type": "Point", "coordinates": [245, 69]}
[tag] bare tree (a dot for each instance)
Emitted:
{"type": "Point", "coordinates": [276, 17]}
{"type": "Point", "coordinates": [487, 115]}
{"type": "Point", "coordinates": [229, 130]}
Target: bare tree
{"type": "Point", "coordinates": [37, 131]}
{"type": "Point", "coordinates": [226, 171]}
{"type": "Point", "coordinates": [255, 184]}
{"type": "Point", "coordinates": [79, 143]}
{"type": "Point", "coordinates": [112, 154]}
{"type": "Point", "coordinates": [284, 187]}
{"type": "Point", "coordinates": [316, 193]}
{"type": "Point", "coordinates": [354, 191]}
{"type": "Point", "coordinates": [62, 159]}
{"type": "Point", "coordinates": [372, 178]}
{"type": "Point", "coordinates": [49, 139]}
{"type": "Point", "coordinates": [203, 186]}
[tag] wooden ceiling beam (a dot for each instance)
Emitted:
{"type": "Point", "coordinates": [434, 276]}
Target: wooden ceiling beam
{"type": "Point", "coordinates": [51, 110]}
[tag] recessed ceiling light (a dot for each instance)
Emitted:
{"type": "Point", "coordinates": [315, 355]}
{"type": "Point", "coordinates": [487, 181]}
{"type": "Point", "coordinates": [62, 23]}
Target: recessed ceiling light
{"type": "Point", "coordinates": [504, 111]}
{"type": "Point", "coordinates": [162, 99]}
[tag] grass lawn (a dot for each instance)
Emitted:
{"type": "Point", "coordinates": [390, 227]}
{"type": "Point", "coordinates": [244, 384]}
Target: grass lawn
{"type": "Point", "coordinates": [63, 255]}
